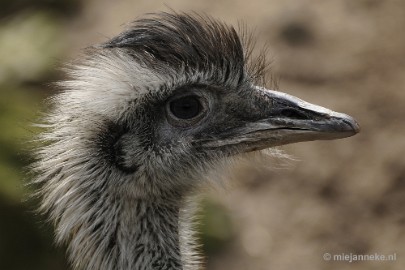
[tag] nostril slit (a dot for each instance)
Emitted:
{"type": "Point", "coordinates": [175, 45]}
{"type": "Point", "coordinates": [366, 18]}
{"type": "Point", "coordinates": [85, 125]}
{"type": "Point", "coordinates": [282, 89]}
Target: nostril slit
{"type": "Point", "coordinates": [294, 114]}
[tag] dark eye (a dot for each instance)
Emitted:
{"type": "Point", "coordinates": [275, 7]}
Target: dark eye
{"type": "Point", "coordinates": [186, 107]}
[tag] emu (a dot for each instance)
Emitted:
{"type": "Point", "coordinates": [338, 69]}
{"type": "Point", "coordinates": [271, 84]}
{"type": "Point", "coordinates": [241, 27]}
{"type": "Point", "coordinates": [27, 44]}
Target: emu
{"type": "Point", "coordinates": [139, 124]}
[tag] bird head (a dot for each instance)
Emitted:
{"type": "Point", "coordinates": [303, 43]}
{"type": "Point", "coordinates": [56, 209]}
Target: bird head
{"type": "Point", "coordinates": [156, 106]}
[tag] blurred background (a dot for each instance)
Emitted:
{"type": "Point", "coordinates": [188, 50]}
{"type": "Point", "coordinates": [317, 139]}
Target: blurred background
{"type": "Point", "coordinates": [345, 196]}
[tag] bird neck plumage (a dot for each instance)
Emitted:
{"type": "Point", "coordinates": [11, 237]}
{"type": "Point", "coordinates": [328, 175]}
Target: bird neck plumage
{"type": "Point", "coordinates": [149, 237]}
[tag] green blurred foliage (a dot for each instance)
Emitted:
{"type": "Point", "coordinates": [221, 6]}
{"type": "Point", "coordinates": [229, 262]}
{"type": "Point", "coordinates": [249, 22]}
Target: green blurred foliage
{"type": "Point", "coordinates": [24, 243]}
{"type": "Point", "coordinates": [215, 227]}
{"type": "Point", "coordinates": [30, 45]}
{"type": "Point", "coordinates": [17, 108]}
{"type": "Point", "coordinates": [31, 42]}
{"type": "Point", "coordinates": [59, 7]}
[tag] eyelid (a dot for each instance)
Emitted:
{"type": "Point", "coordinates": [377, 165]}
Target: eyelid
{"type": "Point", "coordinates": [187, 123]}
{"type": "Point", "coordinates": [191, 104]}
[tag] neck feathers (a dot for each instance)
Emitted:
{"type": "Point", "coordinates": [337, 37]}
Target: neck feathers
{"type": "Point", "coordinates": [148, 235]}
{"type": "Point", "coordinates": [133, 234]}
{"type": "Point", "coordinates": [104, 223]}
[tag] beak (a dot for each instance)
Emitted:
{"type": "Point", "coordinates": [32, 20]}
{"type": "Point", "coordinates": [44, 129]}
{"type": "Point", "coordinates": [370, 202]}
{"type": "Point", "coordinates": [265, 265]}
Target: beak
{"type": "Point", "coordinates": [283, 119]}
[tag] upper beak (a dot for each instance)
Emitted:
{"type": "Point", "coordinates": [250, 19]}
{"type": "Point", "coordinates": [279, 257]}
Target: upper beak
{"type": "Point", "coordinates": [285, 119]}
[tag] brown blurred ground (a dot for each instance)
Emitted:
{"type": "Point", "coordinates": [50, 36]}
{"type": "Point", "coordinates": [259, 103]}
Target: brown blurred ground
{"type": "Point", "coordinates": [344, 196]}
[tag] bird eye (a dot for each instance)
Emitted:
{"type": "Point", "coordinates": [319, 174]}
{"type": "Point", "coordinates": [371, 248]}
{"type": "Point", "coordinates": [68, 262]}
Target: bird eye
{"type": "Point", "coordinates": [186, 107]}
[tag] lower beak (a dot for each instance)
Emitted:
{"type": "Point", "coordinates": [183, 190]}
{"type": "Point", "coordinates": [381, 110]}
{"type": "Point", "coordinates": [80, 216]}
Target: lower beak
{"type": "Point", "coordinates": [286, 119]}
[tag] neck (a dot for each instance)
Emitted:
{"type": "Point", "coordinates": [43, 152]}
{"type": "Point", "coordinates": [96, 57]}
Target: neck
{"type": "Point", "coordinates": [148, 237]}
{"type": "Point", "coordinates": [147, 234]}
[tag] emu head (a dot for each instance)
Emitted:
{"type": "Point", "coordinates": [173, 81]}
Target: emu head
{"type": "Point", "coordinates": [146, 114]}
{"type": "Point", "coordinates": [157, 105]}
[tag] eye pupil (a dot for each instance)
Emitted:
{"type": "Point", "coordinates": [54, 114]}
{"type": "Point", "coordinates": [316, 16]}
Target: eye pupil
{"type": "Point", "coordinates": [185, 107]}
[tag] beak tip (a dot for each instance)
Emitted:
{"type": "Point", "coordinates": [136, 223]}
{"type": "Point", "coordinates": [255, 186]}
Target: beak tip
{"type": "Point", "coordinates": [354, 125]}
{"type": "Point", "coordinates": [356, 128]}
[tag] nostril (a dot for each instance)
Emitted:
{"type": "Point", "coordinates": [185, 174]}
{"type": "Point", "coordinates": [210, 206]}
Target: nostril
{"type": "Point", "coordinates": [294, 114]}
